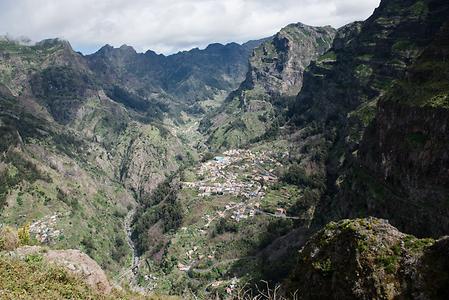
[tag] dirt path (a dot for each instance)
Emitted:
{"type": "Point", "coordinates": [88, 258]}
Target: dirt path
{"type": "Point", "coordinates": [278, 216]}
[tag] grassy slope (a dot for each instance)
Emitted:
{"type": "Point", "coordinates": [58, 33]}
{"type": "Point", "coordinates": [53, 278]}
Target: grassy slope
{"type": "Point", "coordinates": [33, 278]}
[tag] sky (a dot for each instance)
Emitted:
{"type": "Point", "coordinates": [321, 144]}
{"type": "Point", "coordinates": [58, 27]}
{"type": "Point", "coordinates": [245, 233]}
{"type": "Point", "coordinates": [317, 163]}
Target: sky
{"type": "Point", "coordinates": [169, 26]}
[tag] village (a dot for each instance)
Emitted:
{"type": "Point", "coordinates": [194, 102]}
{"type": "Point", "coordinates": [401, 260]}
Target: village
{"type": "Point", "coordinates": [44, 230]}
{"type": "Point", "coordinates": [243, 179]}
{"type": "Point", "coordinates": [241, 173]}
{"type": "Point", "coordinates": [238, 173]}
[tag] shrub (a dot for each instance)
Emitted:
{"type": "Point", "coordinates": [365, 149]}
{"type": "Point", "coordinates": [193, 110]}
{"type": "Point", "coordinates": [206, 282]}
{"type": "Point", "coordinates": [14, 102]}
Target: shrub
{"type": "Point", "coordinates": [296, 175]}
{"type": "Point", "coordinates": [161, 207]}
{"type": "Point", "coordinates": [89, 245]}
{"type": "Point", "coordinates": [207, 156]}
{"type": "Point", "coordinates": [9, 239]}
{"type": "Point", "coordinates": [224, 226]}
{"type": "Point", "coordinates": [24, 234]}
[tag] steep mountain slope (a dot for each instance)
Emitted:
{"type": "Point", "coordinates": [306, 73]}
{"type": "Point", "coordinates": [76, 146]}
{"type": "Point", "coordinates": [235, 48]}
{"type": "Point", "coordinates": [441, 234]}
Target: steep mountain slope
{"type": "Point", "coordinates": [72, 158]}
{"type": "Point", "coordinates": [275, 74]}
{"type": "Point", "coordinates": [84, 137]}
{"type": "Point", "coordinates": [404, 150]}
{"type": "Point", "coordinates": [372, 118]}
{"type": "Point", "coordinates": [48, 180]}
{"type": "Point", "coordinates": [340, 99]}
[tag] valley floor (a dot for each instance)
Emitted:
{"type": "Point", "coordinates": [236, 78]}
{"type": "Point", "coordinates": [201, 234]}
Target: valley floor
{"type": "Point", "coordinates": [231, 203]}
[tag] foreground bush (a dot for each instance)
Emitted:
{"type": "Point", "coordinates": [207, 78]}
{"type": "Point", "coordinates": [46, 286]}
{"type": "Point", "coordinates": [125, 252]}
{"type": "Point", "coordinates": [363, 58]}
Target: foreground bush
{"type": "Point", "coordinates": [9, 239]}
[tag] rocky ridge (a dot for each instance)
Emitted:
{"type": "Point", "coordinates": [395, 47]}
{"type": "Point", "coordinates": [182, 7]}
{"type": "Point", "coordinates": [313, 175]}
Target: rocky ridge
{"type": "Point", "coordinates": [275, 74]}
{"type": "Point", "coordinates": [90, 138]}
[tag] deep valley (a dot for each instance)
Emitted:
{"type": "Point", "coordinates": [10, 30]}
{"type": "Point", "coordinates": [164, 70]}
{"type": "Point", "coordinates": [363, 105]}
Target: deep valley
{"type": "Point", "coordinates": [312, 164]}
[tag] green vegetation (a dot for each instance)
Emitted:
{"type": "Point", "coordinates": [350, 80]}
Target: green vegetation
{"type": "Point", "coordinates": [23, 234]}
{"type": "Point", "coordinates": [426, 84]}
{"type": "Point", "coordinates": [365, 113]}
{"type": "Point", "coordinates": [324, 266]}
{"type": "Point", "coordinates": [34, 279]}
{"type": "Point", "coordinates": [415, 245]}
{"type": "Point", "coordinates": [296, 175]}
{"type": "Point", "coordinates": [160, 208]}
{"type": "Point", "coordinates": [417, 139]}
{"type": "Point", "coordinates": [420, 9]}
{"type": "Point", "coordinates": [328, 56]}
{"type": "Point", "coordinates": [403, 45]}
{"type": "Point", "coordinates": [390, 260]}
{"type": "Point", "coordinates": [363, 71]}
{"type": "Point", "coordinates": [19, 170]}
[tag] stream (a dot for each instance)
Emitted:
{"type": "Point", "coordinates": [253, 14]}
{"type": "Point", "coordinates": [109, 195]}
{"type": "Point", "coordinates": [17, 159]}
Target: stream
{"type": "Point", "coordinates": [128, 232]}
{"type": "Point", "coordinates": [131, 273]}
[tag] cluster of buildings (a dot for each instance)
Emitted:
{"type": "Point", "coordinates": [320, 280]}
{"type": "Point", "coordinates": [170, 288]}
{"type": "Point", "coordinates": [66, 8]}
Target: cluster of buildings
{"type": "Point", "coordinates": [44, 230]}
{"type": "Point", "coordinates": [192, 256]}
{"type": "Point", "coordinates": [231, 285]}
{"type": "Point", "coordinates": [237, 173]}
{"type": "Point", "coordinates": [241, 211]}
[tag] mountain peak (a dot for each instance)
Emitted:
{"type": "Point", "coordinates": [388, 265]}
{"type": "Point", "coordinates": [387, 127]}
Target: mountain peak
{"type": "Point", "coordinates": [47, 43]}
{"type": "Point", "coordinates": [150, 52]}
{"type": "Point", "coordinates": [128, 49]}
{"type": "Point", "coordinates": [214, 46]}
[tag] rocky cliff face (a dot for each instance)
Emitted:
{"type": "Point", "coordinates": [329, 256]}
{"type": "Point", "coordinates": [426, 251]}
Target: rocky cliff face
{"type": "Point", "coordinates": [339, 101]}
{"type": "Point", "coordinates": [370, 259]}
{"type": "Point", "coordinates": [275, 74]}
{"type": "Point", "coordinates": [278, 65]}
{"type": "Point", "coordinates": [365, 59]}
{"type": "Point", "coordinates": [404, 151]}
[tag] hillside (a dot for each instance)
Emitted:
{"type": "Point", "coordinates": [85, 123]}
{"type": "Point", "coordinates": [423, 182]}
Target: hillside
{"type": "Point", "coordinates": [346, 100]}
{"type": "Point", "coordinates": [72, 152]}
{"type": "Point", "coordinates": [275, 75]}
{"type": "Point", "coordinates": [204, 173]}
{"type": "Point", "coordinates": [79, 151]}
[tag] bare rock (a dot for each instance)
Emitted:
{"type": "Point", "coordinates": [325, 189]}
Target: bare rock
{"type": "Point", "coordinates": [74, 261]}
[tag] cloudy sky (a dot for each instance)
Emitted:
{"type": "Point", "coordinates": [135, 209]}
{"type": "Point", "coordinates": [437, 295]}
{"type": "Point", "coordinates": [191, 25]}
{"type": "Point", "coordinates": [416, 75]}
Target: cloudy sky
{"type": "Point", "coordinates": [168, 26]}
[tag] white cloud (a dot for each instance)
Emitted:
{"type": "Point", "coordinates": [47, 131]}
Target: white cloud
{"type": "Point", "coordinates": [169, 25]}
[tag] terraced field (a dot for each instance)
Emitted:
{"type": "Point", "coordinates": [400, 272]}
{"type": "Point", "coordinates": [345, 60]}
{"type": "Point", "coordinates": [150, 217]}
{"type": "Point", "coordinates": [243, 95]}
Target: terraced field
{"type": "Point", "coordinates": [233, 205]}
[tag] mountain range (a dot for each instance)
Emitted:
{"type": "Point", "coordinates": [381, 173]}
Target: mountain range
{"type": "Point", "coordinates": [314, 161]}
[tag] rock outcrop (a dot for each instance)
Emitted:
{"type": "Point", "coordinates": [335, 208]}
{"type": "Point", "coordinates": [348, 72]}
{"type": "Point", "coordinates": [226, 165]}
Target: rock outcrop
{"type": "Point", "coordinates": [370, 259]}
{"type": "Point", "coordinates": [277, 66]}
{"type": "Point", "coordinates": [74, 261]}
